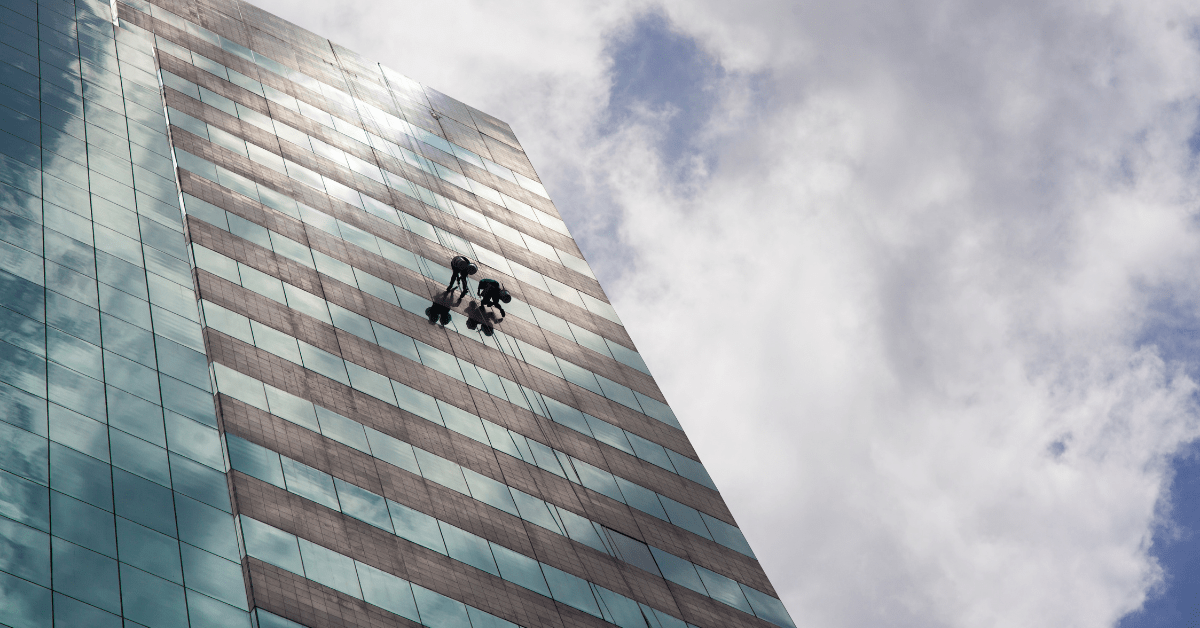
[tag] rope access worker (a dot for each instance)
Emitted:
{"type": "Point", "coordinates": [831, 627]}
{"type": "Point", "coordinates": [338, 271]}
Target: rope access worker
{"type": "Point", "coordinates": [462, 268]}
{"type": "Point", "coordinates": [491, 293]}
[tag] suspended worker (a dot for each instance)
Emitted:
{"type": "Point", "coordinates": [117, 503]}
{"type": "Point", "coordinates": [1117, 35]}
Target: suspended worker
{"type": "Point", "coordinates": [462, 268]}
{"type": "Point", "coordinates": [491, 293]}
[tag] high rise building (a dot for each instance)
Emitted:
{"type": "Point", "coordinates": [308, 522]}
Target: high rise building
{"type": "Point", "coordinates": [234, 391]}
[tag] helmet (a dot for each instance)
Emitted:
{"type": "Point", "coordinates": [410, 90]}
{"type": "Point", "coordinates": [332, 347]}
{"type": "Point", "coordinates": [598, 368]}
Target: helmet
{"type": "Point", "coordinates": [472, 269]}
{"type": "Point", "coordinates": [505, 296]}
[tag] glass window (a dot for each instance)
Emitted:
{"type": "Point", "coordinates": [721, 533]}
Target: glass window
{"type": "Point", "coordinates": [137, 456]}
{"type": "Point", "coordinates": [182, 363]}
{"type": "Point", "coordinates": [535, 511]}
{"type": "Point", "coordinates": [128, 340]}
{"type": "Point", "coordinates": [254, 460]}
{"type": "Point", "coordinates": [136, 416]}
{"type": "Point", "coordinates": [196, 480]}
{"type": "Point", "coordinates": [25, 552]}
{"type": "Point", "coordinates": [275, 341]}
{"type": "Point", "coordinates": [442, 471]}
{"type": "Point", "coordinates": [571, 590]}
{"type": "Point", "coordinates": [370, 382]}
{"type": "Point", "coordinates": [417, 527]}
{"type": "Point", "coordinates": [131, 376]}
{"type": "Point", "coordinates": [75, 354]}
{"type": "Point", "coordinates": [600, 481]}
{"type": "Point", "coordinates": [417, 403]}
{"type": "Point", "coordinates": [292, 408]}
{"type": "Point", "coordinates": [468, 548]}
{"type": "Point", "coordinates": [205, 612]}
{"type": "Point", "coordinates": [641, 498]}
{"type": "Point", "coordinates": [439, 610]}
{"type": "Point", "coordinates": [23, 410]}
{"type": "Point", "coordinates": [271, 545]}
{"type": "Point", "coordinates": [768, 608]}
{"type": "Point", "coordinates": [80, 476]}
{"type": "Point", "coordinates": [214, 576]}
{"type": "Point", "coordinates": [386, 591]}
{"type": "Point", "coordinates": [393, 451]}
{"type": "Point", "coordinates": [23, 453]}
{"type": "Point", "coordinates": [24, 501]}
{"type": "Point", "coordinates": [309, 483]}
{"type": "Point", "coordinates": [363, 505]}
{"type": "Point", "coordinates": [196, 441]}
{"type": "Point", "coordinates": [144, 502]}
{"type": "Point", "coordinates": [685, 517]}
{"type": "Point", "coordinates": [329, 568]}
{"type": "Point", "coordinates": [678, 570]}
{"type": "Point", "coordinates": [395, 341]}
{"type": "Point", "coordinates": [22, 369]}
{"type": "Point", "coordinates": [463, 422]}
{"type": "Point", "coordinates": [206, 527]}
{"type": "Point", "coordinates": [149, 550]}
{"type": "Point", "coordinates": [490, 492]}
{"type": "Point", "coordinates": [85, 575]}
{"type": "Point", "coordinates": [78, 432]}
{"type": "Point", "coordinates": [71, 612]}
{"type": "Point", "coordinates": [724, 590]}
{"type": "Point", "coordinates": [620, 610]}
{"type": "Point", "coordinates": [152, 601]}
{"type": "Point", "coordinates": [520, 569]}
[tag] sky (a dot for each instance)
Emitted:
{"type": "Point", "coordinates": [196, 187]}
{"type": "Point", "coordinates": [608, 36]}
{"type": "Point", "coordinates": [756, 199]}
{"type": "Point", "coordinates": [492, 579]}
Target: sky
{"type": "Point", "coordinates": [917, 277]}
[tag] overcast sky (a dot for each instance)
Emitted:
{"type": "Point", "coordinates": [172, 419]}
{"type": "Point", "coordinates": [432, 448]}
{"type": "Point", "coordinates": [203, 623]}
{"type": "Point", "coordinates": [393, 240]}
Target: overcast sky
{"type": "Point", "coordinates": [919, 278]}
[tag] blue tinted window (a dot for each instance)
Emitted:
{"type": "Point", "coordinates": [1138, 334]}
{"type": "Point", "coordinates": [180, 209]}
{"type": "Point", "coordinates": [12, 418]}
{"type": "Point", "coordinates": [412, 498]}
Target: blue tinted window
{"type": "Point", "coordinates": [24, 501]}
{"type": "Point", "coordinates": [25, 552]}
{"type": "Point", "coordinates": [144, 502]}
{"type": "Point", "coordinates": [25, 603]}
{"type": "Point", "coordinates": [23, 453]}
{"type": "Point", "coordinates": [152, 601]}
{"type": "Point", "coordinates": [83, 524]}
{"type": "Point", "coordinates": [214, 576]}
{"type": "Point", "coordinates": [149, 550]}
{"type": "Point", "coordinates": [80, 476]}
{"type": "Point", "coordinates": [387, 592]}
{"type": "Point", "coordinates": [270, 545]}
{"type": "Point", "coordinates": [86, 575]}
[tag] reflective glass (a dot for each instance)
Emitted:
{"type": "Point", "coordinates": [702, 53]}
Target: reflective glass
{"type": "Point", "coordinates": [24, 501]}
{"type": "Point", "coordinates": [23, 603]}
{"type": "Point", "coordinates": [387, 592]}
{"type": "Point", "coordinates": [439, 610]}
{"type": "Point", "coordinates": [83, 524]}
{"type": "Point", "coordinates": [329, 568]}
{"type": "Point", "coordinates": [571, 590]}
{"type": "Point", "coordinates": [417, 527]}
{"type": "Point", "coordinates": [309, 483]}
{"type": "Point", "coordinates": [520, 569]}
{"type": "Point", "coordinates": [86, 575]}
{"type": "Point", "coordinates": [23, 453]}
{"type": "Point", "coordinates": [468, 548]}
{"type": "Point", "coordinates": [71, 612]}
{"type": "Point", "coordinates": [25, 552]}
{"type": "Point", "coordinates": [206, 527]}
{"type": "Point", "coordinates": [80, 476]}
{"type": "Point", "coordinates": [270, 545]}
{"type": "Point", "coordinates": [214, 576]}
{"type": "Point", "coordinates": [149, 551]}
{"type": "Point", "coordinates": [363, 505]}
{"type": "Point", "coordinates": [152, 601]}
{"type": "Point", "coordinates": [144, 502]}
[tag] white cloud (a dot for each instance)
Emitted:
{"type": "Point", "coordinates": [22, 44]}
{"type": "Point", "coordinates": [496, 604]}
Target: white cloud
{"type": "Point", "coordinates": [900, 314]}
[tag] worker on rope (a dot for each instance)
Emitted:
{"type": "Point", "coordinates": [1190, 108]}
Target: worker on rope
{"type": "Point", "coordinates": [491, 293]}
{"type": "Point", "coordinates": [462, 268]}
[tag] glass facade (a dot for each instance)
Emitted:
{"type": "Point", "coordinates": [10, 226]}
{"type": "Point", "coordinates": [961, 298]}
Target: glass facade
{"type": "Point", "coordinates": [235, 392]}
